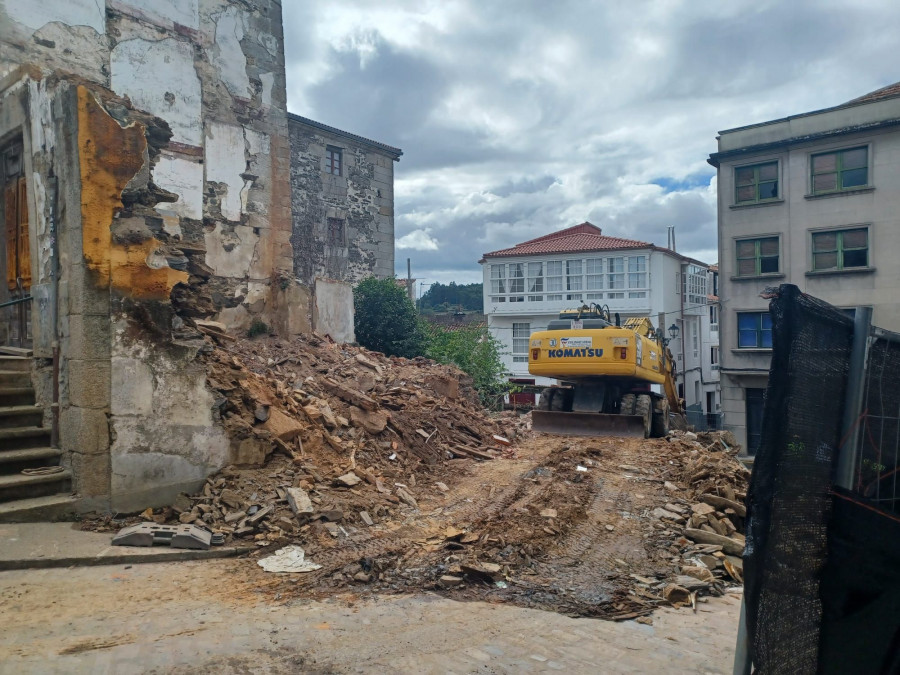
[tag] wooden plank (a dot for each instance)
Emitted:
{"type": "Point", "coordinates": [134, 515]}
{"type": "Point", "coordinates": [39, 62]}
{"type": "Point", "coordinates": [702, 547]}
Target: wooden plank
{"type": "Point", "coordinates": [351, 396]}
{"type": "Point", "coordinates": [24, 250]}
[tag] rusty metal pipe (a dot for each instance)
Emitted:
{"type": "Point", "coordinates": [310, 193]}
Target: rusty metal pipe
{"type": "Point", "coordinates": [54, 307]}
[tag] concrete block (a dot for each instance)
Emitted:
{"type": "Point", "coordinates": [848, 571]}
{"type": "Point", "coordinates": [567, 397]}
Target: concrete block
{"type": "Point", "coordinates": [84, 431]}
{"type": "Point", "coordinates": [89, 337]}
{"type": "Point", "coordinates": [89, 383]}
{"type": "Point", "coordinates": [131, 387]}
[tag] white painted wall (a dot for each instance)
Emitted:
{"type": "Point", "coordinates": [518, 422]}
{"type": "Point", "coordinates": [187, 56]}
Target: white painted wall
{"type": "Point", "coordinates": [225, 162]}
{"type": "Point", "coordinates": [165, 12]}
{"type": "Point", "coordinates": [159, 77]}
{"type": "Point", "coordinates": [230, 60]}
{"type": "Point", "coordinates": [35, 14]}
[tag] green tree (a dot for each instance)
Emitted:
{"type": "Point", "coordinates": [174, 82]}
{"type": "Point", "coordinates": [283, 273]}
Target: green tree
{"type": "Point", "coordinates": [385, 319]}
{"type": "Point", "coordinates": [453, 295]}
{"type": "Point", "coordinates": [475, 351]}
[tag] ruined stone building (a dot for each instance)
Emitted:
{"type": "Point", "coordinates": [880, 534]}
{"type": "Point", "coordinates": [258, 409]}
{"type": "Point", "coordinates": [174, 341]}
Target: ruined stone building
{"type": "Point", "coordinates": [342, 188]}
{"type": "Point", "coordinates": [147, 178]}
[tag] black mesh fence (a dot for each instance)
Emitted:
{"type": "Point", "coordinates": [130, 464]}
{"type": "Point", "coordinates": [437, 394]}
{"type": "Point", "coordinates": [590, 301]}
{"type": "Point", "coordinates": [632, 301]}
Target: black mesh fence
{"type": "Point", "coordinates": [822, 565]}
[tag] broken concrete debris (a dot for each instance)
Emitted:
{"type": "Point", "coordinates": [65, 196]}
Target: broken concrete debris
{"type": "Point", "coordinates": [288, 559]}
{"type": "Point", "coordinates": [175, 536]}
{"type": "Point", "coordinates": [347, 480]}
{"type": "Point", "coordinates": [433, 517]}
{"type": "Point", "coordinates": [300, 503]}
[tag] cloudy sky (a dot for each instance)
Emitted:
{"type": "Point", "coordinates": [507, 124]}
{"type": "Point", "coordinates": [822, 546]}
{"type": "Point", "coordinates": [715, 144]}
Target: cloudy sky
{"type": "Point", "coordinates": [521, 117]}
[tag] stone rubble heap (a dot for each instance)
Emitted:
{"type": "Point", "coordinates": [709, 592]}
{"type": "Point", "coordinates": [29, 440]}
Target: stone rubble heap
{"type": "Point", "coordinates": [356, 434]}
{"type": "Point", "coordinates": [706, 516]}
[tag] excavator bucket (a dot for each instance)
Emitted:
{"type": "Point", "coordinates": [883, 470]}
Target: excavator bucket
{"type": "Point", "coordinates": [586, 424]}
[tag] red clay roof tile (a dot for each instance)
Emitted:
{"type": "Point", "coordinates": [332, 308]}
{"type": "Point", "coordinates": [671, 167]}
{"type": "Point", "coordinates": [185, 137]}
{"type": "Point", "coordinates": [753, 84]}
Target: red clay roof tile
{"type": "Point", "coordinates": [889, 91]}
{"type": "Point", "coordinates": [583, 237]}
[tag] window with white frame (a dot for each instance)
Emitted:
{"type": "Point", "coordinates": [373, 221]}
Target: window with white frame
{"type": "Point", "coordinates": [594, 271]}
{"type": "Point", "coordinates": [714, 357]}
{"type": "Point", "coordinates": [535, 282]}
{"type": "Point", "coordinates": [695, 339]}
{"type": "Point", "coordinates": [637, 271]}
{"type": "Point", "coordinates": [521, 333]}
{"type": "Point", "coordinates": [554, 275]}
{"type": "Point", "coordinates": [616, 273]}
{"type": "Point", "coordinates": [594, 296]}
{"type": "Point", "coordinates": [714, 317]}
{"type": "Point", "coordinates": [695, 285]}
{"type": "Point", "coordinates": [498, 279]}
{"type": "Point", "coordinates": [574, 280]}
{"type": "Point", "coordinates": [516, 282]}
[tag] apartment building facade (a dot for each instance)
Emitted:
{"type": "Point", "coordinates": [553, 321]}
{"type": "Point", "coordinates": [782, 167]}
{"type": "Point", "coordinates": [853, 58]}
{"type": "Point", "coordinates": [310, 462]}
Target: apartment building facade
{"type": "Point", "coordinates": [528, 285]}
{"type": "Point", "coordinates": [813, 200]}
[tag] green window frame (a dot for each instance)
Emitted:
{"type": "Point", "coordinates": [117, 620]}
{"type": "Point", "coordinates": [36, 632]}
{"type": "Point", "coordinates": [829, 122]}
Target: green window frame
{"type": "Point", "coordinates": [840, 249]}
{"type": "Point", "coordinates": [756, 257]}
{"type": "Point", "coordinates": [840, 170]}
{"type": "Point", "coordinates": [756, 183]}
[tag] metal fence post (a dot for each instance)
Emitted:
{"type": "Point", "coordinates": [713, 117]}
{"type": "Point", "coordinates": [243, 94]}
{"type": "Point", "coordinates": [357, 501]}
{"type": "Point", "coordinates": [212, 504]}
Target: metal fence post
{"type": "Point", "coordinates": [848, 454]}
{"type": "Point", "coordinates": [742, 647]}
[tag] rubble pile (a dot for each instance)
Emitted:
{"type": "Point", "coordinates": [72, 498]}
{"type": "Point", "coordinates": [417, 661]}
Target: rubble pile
{"type": "Point", "coordinates": [357, 434]}
{"type": "Point", "coordinates": [362, 471]}
{"type": "Point", "coordinates": [708, 488]}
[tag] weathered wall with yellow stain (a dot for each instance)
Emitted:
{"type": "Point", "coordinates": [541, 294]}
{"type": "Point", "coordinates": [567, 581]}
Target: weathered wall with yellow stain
{"type": "Point", "coordinates": [173, 161]}
{"type": "Point", "coordinates": [111, 157]}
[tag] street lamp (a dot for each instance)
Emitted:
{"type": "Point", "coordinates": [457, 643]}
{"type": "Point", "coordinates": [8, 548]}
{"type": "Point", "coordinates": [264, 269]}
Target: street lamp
{"type": "Point", "coordinates": [673, 331]}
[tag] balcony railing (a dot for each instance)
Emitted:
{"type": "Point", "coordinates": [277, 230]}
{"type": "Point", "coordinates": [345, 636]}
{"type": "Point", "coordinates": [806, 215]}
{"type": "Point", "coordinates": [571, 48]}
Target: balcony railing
{"type": "Point", "coordinates": [15, 322]}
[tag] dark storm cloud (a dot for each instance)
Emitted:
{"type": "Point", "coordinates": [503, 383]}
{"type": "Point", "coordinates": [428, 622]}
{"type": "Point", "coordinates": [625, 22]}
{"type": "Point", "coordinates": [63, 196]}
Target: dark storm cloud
{"type": "Point", "coordinates": [520, 118]}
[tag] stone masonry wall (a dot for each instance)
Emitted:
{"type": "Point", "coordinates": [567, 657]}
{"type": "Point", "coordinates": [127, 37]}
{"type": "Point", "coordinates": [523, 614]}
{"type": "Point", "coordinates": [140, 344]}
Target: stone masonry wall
{"type": "Point", "coordinates": [362, 197]}
{"type": "Point", "coordinates": [164, 122]}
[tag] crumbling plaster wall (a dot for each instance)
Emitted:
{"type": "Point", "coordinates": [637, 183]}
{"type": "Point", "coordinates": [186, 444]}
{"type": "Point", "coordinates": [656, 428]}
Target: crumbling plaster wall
{"type": "Point", "coordinates": [173, 141]}
{"type": "Point", "coordinates": [363, 196]}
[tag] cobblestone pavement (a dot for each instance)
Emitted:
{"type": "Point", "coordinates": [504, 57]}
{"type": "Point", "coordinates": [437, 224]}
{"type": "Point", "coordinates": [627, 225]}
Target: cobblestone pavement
{"type": "Point", "coordinates": [206, 617]}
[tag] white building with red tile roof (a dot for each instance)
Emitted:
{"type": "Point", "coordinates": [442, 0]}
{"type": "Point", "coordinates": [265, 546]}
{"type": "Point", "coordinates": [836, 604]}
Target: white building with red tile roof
{"type": "Point", "coordinates": [529, 284]}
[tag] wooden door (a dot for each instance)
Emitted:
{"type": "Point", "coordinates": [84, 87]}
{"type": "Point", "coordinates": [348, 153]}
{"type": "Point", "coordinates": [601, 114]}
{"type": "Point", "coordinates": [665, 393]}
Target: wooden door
{"type": "Point", "coordinates": [18, 250]}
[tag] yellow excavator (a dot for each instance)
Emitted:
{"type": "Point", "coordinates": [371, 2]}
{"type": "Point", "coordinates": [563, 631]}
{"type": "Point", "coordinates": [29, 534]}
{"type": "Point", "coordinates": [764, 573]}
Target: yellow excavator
{"type": "Point", "coordinates": [615, 379]}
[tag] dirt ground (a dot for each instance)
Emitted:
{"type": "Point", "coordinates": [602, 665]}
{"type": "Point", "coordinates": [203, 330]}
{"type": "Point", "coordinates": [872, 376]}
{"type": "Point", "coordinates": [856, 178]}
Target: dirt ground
{"type": "Point", "coordinates": [213, 617]}
{"type": "Point", "coordinates": [565, 524]}
{"type": "Point", "coordinates": [393, 479]}
{"type": "Point", "coordinates": [577, 561]}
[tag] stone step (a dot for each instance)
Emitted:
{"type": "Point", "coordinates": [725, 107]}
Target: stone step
{"type": "Point", "coordinates": [18, 486]}
{"type": "Point", "coordinates": [45, 456]}
{"type": "Point", "coordinates": [21, 416]}
{"type": "Point", "coordinates": [61, 506]}
{"type": "Point", "coordinates": [16, 351]}
{"type": "Point", "coordinates": [15, 378]}
{"type": "Point", "coordinates": [12, 396]}
{"type": "Point", "coordinates": [24, 437]}
{"type": "Point", "coordinates": [16, 363]}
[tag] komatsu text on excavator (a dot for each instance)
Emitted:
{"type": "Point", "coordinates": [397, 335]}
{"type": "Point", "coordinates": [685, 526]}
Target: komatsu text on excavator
{"type": "Point", "coordinates": [614, 380]}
